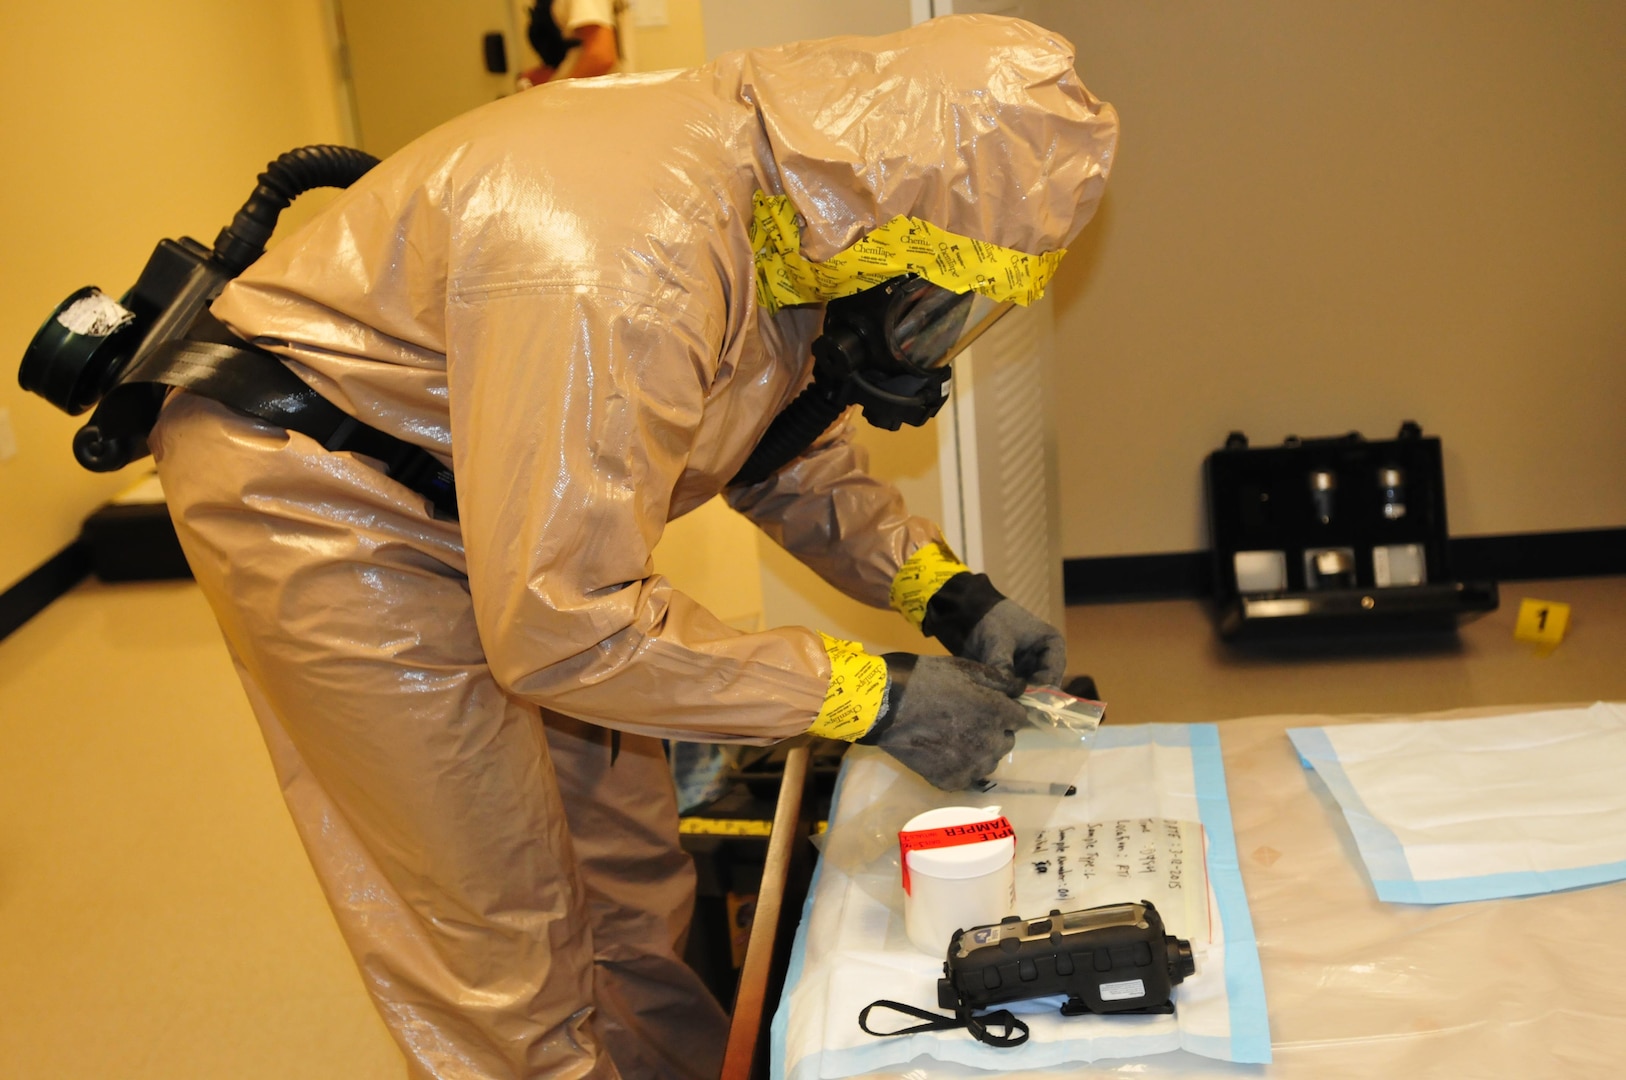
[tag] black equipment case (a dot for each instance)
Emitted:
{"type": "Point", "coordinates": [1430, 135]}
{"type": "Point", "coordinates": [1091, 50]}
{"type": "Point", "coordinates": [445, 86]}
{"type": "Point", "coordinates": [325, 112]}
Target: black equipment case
{"type": "Point", "coordinates": [1337, 535]}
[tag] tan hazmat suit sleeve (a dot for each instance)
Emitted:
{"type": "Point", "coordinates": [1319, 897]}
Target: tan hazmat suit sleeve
{"type": "Point", "coordinates": [573, 455]}
{"type": "Point", "coordinates": [848, 527]}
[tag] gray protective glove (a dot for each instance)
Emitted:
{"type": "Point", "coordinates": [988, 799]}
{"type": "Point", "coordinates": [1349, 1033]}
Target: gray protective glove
{"type": "Point", "coordinates": [975, 621]}
{"type": "Point", "coordinates": [950, 720]}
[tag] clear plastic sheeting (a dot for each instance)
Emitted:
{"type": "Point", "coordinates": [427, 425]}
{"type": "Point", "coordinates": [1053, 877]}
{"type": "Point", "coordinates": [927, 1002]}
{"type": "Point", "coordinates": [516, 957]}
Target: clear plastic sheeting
{"type": "Point", "coordinates": [1451, 810]}
{"type": "Point", "coordinates": [1056, 722]}
{"type": "Point", "coordinates": [1051, 709]}
{"type": "Point", "coordinates": [1358, 988]}
{"type": "Point", "coordinates": [864, 845]}
{"type": "Point", "coordinates": [1142, 780]}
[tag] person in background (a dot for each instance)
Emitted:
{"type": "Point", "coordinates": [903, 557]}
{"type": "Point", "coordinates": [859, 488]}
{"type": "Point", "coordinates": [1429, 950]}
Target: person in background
{"type": "Point", "coordinates": [576, 39]}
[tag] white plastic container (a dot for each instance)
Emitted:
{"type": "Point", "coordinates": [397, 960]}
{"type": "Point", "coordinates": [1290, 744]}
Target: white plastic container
{"type": "Point", "coordinates": [956, 888]}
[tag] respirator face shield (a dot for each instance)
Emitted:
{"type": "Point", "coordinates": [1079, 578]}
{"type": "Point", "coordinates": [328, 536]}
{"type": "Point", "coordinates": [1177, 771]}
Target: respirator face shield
{"type": "Point", "coordinates": [927, 326]}
{"type": "Point", "coordinates": [887, 350]}
{"type": "Point", "coordinates": [890, 347]}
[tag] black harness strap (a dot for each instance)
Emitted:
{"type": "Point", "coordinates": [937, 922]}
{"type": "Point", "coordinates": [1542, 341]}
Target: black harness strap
{"type": "Point", "coordinates": [254, 381]}
{"type": "Point", "coordinates": [1015, 1031]}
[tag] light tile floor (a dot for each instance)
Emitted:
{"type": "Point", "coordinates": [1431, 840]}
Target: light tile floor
{"type": "Point", "coordinates": [157, 915]}
{"type": "Point", "coordinates": [1163, 662]}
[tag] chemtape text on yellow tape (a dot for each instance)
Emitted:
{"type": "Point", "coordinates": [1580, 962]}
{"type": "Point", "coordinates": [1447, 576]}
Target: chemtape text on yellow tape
{"type": "Point", "coordinates": [904, 245]}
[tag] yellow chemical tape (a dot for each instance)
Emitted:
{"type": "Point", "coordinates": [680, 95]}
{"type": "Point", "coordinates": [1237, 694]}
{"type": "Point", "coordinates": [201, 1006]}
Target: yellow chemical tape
{"type": "Point", "coordinates": [904, 245]}
{"type": "Point", "coordinates": [694, 826]}
{"type": "Point", "coordinates": [853, 699]}
{"type": "Point", "coordinates": [697, 826]}
{"type": "Point", "coordinates": [918, 581]}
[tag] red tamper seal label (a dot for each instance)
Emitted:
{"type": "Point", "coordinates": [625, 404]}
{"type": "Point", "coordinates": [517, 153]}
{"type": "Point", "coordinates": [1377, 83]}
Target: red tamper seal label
{"type": "Point", "coordinates": [972, 832]}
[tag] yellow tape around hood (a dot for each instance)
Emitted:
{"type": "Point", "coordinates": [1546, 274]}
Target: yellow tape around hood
{"type": "Point", "coordinates": [857, 689]}
{"type": "Point", "coordinates": [904, 245]}
{"type": "Point", "coordinates": [918, 580]}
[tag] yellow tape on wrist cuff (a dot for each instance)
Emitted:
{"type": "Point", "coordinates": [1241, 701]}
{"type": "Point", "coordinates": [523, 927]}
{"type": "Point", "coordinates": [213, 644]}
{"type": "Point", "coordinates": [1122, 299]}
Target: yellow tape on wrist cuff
{"type": "Point", "coordinates": [920, 578]}
{"type": "Point", "coordinates": [904, 245]}
{"type": "Point", "coordinates": [857, 687]}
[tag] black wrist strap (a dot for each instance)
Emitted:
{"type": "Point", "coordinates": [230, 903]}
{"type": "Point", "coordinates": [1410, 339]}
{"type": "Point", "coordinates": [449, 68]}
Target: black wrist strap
{"type": "Point", "coordinates": [1015, 1031]}
{"type": "Point", "coordinates": [957, 607]}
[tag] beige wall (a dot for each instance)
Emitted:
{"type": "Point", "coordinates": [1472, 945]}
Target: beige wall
{"type": "Point", "coordinates": [415, 64]}
{"type": "Point", "coordinates": [749, 24]}
{"type": "Point", "coordinates": [1338, 216]}
{"type": "Point", "coordinates": [124, 123]}
{"type": "Point", "coordinates": [680, 43]}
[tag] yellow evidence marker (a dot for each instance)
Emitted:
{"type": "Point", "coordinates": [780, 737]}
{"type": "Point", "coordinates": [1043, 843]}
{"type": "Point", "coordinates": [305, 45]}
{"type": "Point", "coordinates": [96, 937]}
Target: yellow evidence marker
{"type": "Point", "coordinates": [1542, 623]}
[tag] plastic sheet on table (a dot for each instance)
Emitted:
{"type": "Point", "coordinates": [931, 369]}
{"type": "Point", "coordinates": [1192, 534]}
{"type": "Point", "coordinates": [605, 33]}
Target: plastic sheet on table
{"type": "Point", "coordinates": [1142, 782]}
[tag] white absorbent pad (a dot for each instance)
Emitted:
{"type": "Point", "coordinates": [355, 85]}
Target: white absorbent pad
{"type": "Point", "coordinates": [1158, 780]}
{"type": "Point", "coordinates": [1450, 810]}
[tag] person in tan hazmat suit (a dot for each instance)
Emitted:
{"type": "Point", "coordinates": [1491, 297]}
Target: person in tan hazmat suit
{"type": "Point", "coordinates": [592, 299]}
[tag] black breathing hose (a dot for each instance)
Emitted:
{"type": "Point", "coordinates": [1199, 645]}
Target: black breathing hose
{"type": "Point", "coordinates": [284, 180]}
{"type": "Point", "coordinates": [791, 432]}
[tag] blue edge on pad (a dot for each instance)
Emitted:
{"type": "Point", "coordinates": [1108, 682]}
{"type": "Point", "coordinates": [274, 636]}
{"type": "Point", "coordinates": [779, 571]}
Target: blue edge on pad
{"type": "Point", "coordinates": [1385, 858]}
{"type": "Point", "coordinates": [1249, 1041]}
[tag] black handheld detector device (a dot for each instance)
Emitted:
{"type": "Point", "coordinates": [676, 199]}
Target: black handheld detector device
{"type": "Point", "coordinates": [1110, 959]}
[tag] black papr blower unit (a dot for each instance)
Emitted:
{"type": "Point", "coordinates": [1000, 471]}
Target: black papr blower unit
{"type": "Point", "coordinates": [124, 356]}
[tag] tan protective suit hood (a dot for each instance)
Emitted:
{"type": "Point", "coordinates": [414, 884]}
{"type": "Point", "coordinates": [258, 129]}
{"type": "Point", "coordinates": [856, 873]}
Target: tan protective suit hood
{"type": "Point", "coordinates": [976, 124]}
{"type": "Point", "coordinates": [555, 293]}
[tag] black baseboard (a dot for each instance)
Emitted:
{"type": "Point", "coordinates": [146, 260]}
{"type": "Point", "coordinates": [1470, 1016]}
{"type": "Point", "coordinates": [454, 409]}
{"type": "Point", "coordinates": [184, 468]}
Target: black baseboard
{"type": "Point", "coordinates": [1536, 556]}
{"type": "Point", "coordinates": [1187, 575]}
{"type": "Point", "coordinates": [35, 592]}
{"type": "Point", "coordinates": [1115, 578]}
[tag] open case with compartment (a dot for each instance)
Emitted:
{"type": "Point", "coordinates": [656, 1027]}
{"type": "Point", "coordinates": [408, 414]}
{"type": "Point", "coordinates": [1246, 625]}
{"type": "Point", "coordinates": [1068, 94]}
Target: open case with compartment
{"type": "Point", "coordinates": [1338, 535]}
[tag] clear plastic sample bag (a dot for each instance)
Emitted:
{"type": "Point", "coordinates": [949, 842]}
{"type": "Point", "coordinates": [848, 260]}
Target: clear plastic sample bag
{"type": "Point", "coordinates": [1051, 752]}
{"type": "Point", "coordinates": [1050, 760]}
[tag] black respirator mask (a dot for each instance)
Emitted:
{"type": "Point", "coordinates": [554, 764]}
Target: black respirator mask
{"type": "Point", "coordinates": [887, 350]}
